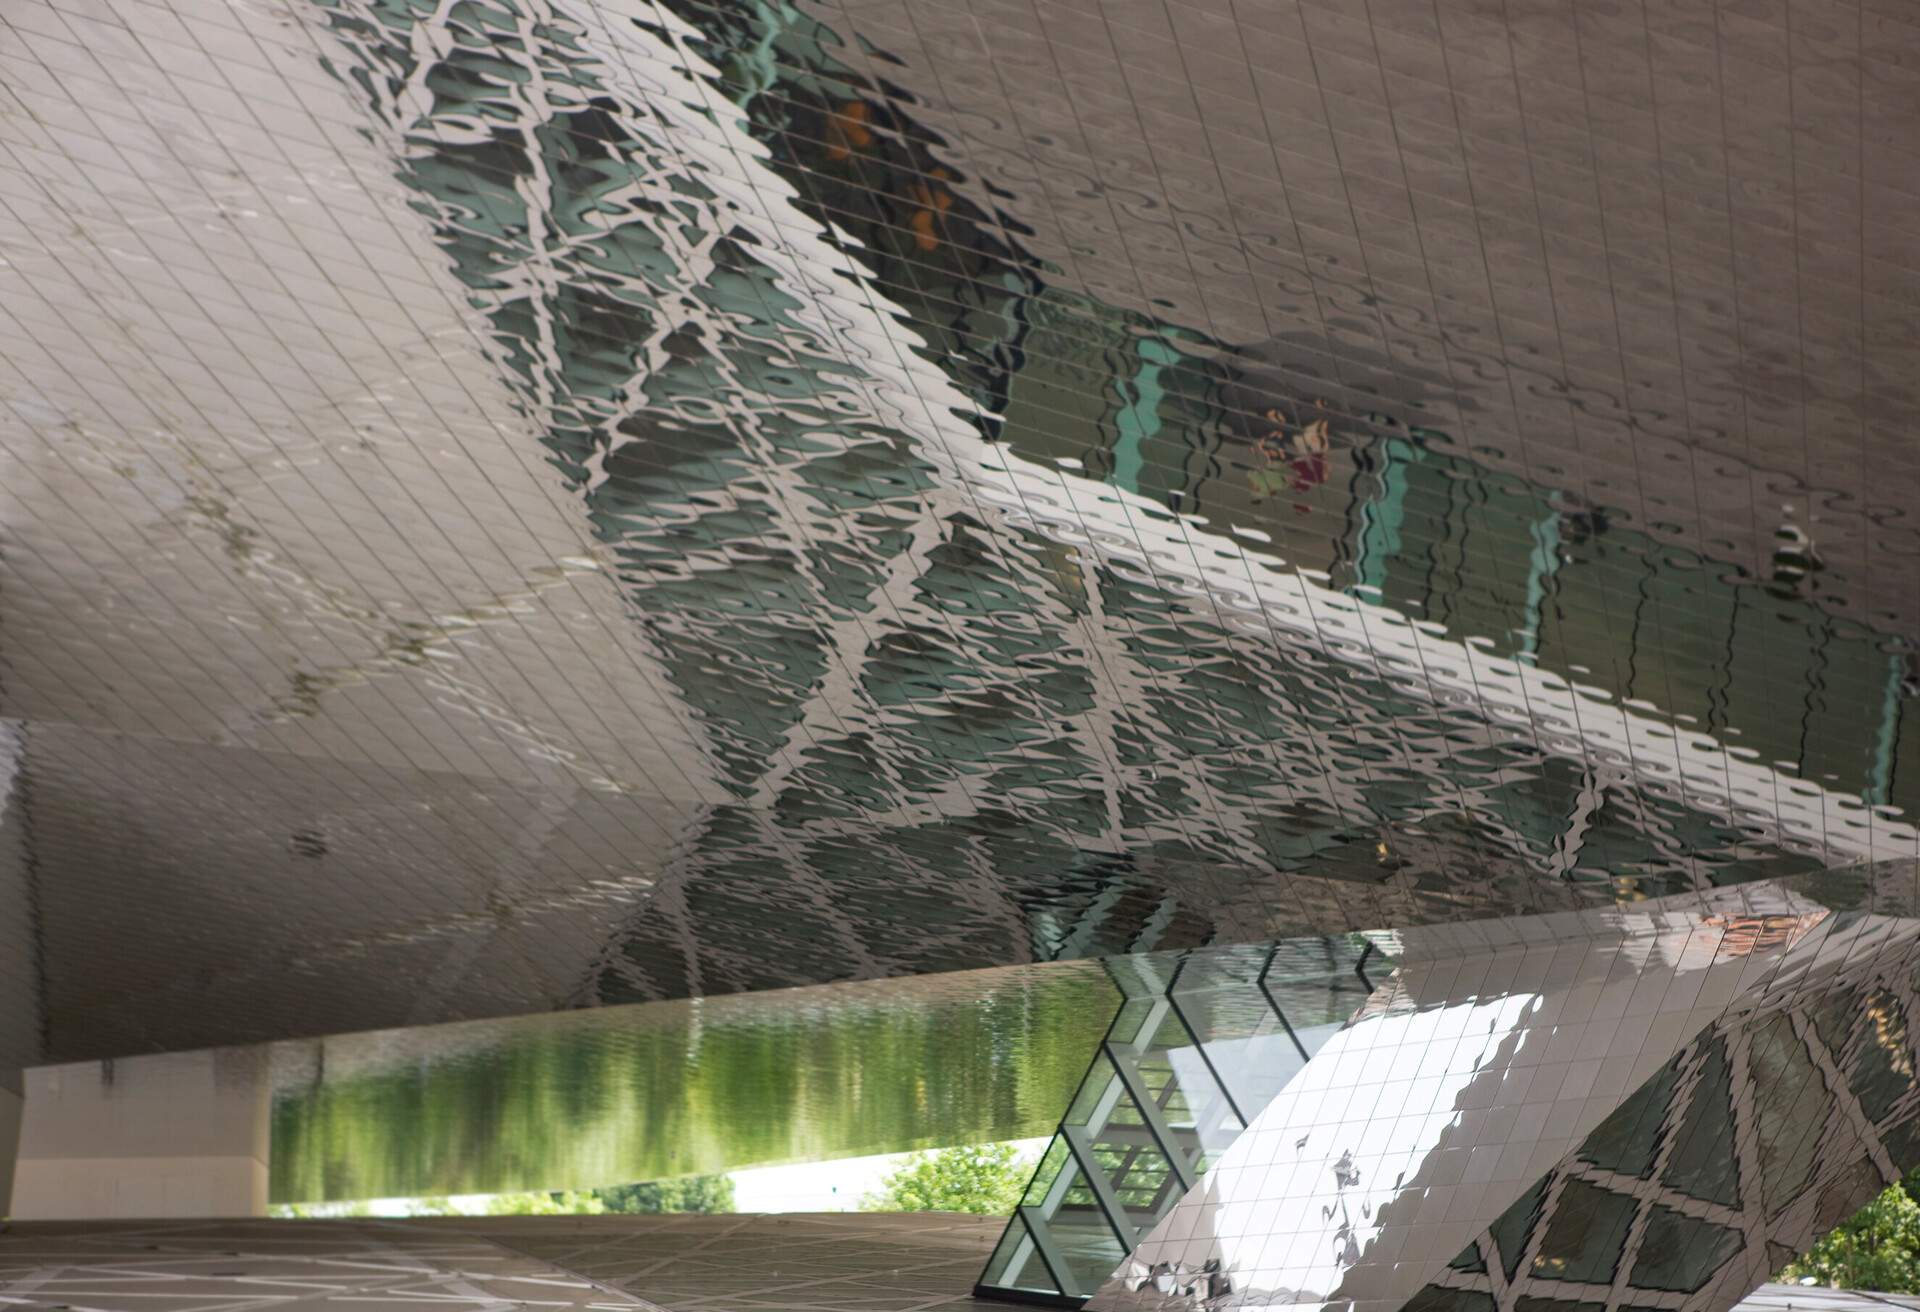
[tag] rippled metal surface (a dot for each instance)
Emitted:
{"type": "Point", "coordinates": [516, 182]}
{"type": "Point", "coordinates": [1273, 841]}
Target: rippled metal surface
{"type": "Point", "coordinates": [284, 1263]}
{"type": "Point", "coordinates": [512, 504]}
{"type": "Point", "coordinates": [1650, 1110]}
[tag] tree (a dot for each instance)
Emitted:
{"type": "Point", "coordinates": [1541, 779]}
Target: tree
{"type": "Point", "coordinates": [692, 1193]}
{"type": "Point", "coordinates": [432, 1207]}
{"type": "Point", "coordinates": [1877, 1248]}
{"type": "Point", "coordinates": [319, 1211]}
{"type": "Point", "coordinates": [555, 1203]}
{"type": "Point", "coordinates": [982, 1178]}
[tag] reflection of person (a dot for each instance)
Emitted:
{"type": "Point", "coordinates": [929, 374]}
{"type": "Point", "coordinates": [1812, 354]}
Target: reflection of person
{"type": "Point", "coordinates": [1794, 557]}
{"type": "Point", "coordinates": [1345, 1176]}
{"type": "Point", "coordinates": [847, 131]}
{"type": "Point", "coordinates": [1580, 520]}
{"type": "Point", "coordinates": [1296, 461]}
{"type": "Point", "coordinates": [850, 135]}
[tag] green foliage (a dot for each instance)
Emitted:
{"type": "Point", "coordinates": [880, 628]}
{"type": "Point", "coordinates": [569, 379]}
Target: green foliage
{"type": "Point", "coordinates": [362, 1207]}
{"type": "Point", "coordinates": [1877, 1248]}
{"type": "Point", "coordinates": [433, 1207]}
{"type": "Point", "coordinates": [318, 1211]}
{"type": "Point", "coordinates": [693, 1193]}
{"type": "Point", "coordinates": [886, 1068]}
{"type": "Point", "coordinates": [543, 1203]}
{"type": "Point", "coordinates": [983, 1178]}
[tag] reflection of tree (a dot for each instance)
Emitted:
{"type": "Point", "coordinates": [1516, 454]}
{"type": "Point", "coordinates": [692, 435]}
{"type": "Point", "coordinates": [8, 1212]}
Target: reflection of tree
{"type": "Point", "coordinates": [692, 1193]}
{"type": "Point", "coordinates": [986, 1179]}
{"type": "Point", "coordinates": [559, 1202]}
{"type": "Point", "coordinates": [1877, 1248]}
{"type": "Point", "coordinates": [886, 1068]}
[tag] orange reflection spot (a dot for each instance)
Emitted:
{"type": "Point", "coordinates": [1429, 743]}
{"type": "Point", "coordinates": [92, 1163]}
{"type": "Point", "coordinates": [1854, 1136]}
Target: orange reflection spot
{"type": "Point", "coordinates": [1746, 935]}
{"type": "Point", "coordinates": [930, 203]}
{"type": "Point", "coordinates": [847, 131]}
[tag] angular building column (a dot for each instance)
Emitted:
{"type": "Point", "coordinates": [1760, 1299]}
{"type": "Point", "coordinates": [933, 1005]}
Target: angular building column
{"type": "Point", "coordinates": [1203, 1041]}
{"type": "Point", "coordinates": [10, 1104]}
{"type": "Point", "coordinates": [178, 1135]}
{"type": "Point", "coordinates": [1648, 1108]}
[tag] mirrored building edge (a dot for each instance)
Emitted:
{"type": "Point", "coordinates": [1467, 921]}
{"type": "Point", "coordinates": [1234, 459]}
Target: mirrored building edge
{"type": "Point", "coordinates": [1179, 617]}
{"type": "Point", "coordinates": [430, 582]}
{"type": "Point", "coordinates": [1626, 1078]}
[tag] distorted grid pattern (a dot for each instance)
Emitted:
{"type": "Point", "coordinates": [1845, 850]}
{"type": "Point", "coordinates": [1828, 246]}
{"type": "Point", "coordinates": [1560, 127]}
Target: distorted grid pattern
{"type": "Point", "coordinates": [885, 1262]}
{"type": "Point", "coordinates": [1653, 1119]}
{"type": "Point", "coordinates": [1761, 1136]}
{"type": "Point", "coordinates": [1662, 255]}
{"type": "Point", "coordinates": [878, 1262]}
{"type": "Point", "coordinates": [513, 504]}
{"type": "Point", "coordinates": [1492, 1051]}
{"type": "Point", "coordinates": [237, 1266]}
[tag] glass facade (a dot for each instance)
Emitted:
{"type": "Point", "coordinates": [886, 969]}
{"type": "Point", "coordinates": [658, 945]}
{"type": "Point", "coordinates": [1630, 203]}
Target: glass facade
{"type": "Point", "coordinates": [1767, 1129]}
{"type": "Point", "coordinates": [1203, 1041]}
{"type": "Point", "coordinates": [1370, 547]}
{"type": "Point", "coordinates": [806, 506]}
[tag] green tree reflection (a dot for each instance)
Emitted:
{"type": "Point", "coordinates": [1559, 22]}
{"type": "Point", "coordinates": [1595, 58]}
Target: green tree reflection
{"type": "Point", "coordinates": [693, 1193]}
{"type": "Point", "coordinates": [985, 1178]}
{"type": "Point", "coordinates": [1877, 1248]}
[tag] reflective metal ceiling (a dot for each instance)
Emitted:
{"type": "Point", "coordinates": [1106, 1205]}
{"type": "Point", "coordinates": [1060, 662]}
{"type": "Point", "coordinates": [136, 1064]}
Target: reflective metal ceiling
{"type": "Point", "coordinates": [511, 505]}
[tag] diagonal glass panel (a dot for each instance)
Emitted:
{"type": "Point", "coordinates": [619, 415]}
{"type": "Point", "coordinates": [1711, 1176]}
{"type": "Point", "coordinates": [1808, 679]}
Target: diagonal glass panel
{"type": "Point", "coordinates": [1791, 1096]}
{"type": "Point", "coordinates": [1078, 1228]}
{"type": "Point", "coordinates": [1017, 1262]}
{"type": "Point", "coordinates": [1704, 1164]}
{"type": "Point", "coordinates": [1882, 1067]}
{"type": "Point", "coordinates": [1202, 1042]}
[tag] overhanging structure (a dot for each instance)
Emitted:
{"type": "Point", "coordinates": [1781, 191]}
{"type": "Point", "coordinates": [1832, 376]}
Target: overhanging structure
{"type": "Point", "coordinates": [511, 505]}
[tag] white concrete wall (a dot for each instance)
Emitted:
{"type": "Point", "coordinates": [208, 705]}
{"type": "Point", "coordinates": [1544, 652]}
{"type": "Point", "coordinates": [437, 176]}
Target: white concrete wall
{"type": "Point", "coordinates": [179, 1135]}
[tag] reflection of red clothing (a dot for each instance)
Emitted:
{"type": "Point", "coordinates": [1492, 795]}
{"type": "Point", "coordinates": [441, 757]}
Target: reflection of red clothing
{"type": "Point", "coordinates": [1308, 472]}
